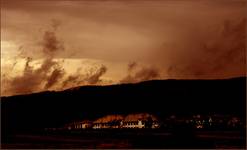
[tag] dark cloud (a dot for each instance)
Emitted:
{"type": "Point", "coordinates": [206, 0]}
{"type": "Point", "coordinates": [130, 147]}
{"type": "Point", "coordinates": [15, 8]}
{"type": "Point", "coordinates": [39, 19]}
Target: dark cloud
{"type": "Point", "coordinates": [137, 74]}
{"type": "Point", "coordinates": [94, 76]}
{"type": "Point", "coordinates": [26, 83]}
{"type": "Point", "coordinates": [91, 78]}
{"type": "Point", "coordinates": [50, 73]}
{"type": "Point", "coordinates": [33, 80]}
{"type": "Point", "coordinates": [51, 44]}
{"type": "Point", "coordinates": [132, 66]}
{"type": "Point", "coordinates": [147, 73]}
{"type": "Point", "coordinates": [56, 74]}
{"type": "Point", "coordinates": [223, 53]}
{"type": "Point", "coordinates": [208, 40]}
{"type": "Point", "coordinates": [55, 24]}
{"type": "Point", "coordinates": [43, 77]}
{"type": "Point", "coordinates": [72, 79]}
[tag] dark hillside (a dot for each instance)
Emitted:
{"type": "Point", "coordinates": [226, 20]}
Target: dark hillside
{"type": "Point", "coordinates": [161, 97]}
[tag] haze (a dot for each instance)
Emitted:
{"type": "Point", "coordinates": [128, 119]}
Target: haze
{"type": "Point", "coordinates": [54, 45]}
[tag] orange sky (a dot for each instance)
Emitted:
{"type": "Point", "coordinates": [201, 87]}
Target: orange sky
{"type": "Point", "coordinates": [74, 43]}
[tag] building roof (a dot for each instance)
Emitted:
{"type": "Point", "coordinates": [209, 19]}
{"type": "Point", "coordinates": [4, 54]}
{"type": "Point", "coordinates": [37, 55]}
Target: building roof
{"type": "Point", "coordinates": [109, 118]}
{"type": "Point", "coordinates": [140, 116]}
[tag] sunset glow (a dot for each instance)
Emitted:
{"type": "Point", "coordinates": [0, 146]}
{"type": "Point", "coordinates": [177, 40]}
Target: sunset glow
{"type": "Point", "coordinates": [165, 39]}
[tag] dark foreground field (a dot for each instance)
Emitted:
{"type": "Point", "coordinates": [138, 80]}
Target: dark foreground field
{"type": "Point", "coordinates": [23, 115]}
{"type": "Point", "coordinates": [128, 139]}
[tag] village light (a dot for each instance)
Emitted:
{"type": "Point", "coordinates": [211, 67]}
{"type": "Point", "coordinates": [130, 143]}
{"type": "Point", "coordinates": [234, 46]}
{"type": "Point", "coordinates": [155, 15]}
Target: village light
{"type": "Point", "coordinates": [142, 120]}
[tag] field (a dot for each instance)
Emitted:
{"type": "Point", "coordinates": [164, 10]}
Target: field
{"type": "Point", "coordinates": [24, 115]}
{"type": "Point", "coordinates": [128, 139]}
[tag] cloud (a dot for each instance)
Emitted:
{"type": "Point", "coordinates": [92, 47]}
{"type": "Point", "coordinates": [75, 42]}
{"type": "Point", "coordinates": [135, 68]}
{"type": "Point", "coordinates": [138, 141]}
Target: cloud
{"type": "Point", "coordinates": [49, 74]}
{"type": "Point", "coordinates": [92, 77]}
{"type": "Point", "coordinates": [56, 74]}
{"type": "Point", "coordinates": [73, 79]}
{"type": "Point", "coordinates": [208, 40]}
{"type": "Point", "coordinates": [132, 66]}
{"type": "Point", "coordinates": [43, 77]}
{"type": "Point", "coordinates": [223, 53]}
{"type": "Point", "coordinates": [34, 80]}
{"type": "Point", "coordinates": [140, 73]}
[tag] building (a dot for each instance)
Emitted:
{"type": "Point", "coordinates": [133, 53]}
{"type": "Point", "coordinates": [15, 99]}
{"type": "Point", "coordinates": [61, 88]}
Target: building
{"type": "Point", "coordinates": [140, 120]}
{"type": "Point", "coordinates": [109, 121]}
{"type": "Point", "coordinates": [79, 125]}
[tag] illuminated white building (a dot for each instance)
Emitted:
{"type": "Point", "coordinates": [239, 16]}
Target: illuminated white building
{"type": "Point", "coordinates": [133, 124]}
{"type": "Point", "coordinates": [79, 125]}
{"type": "Point", "coordinates": [109, 121]}
{"type": "Point", "coordinates": [141, 120]}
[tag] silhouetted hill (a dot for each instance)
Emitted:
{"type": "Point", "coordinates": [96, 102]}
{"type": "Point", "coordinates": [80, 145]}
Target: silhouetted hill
{"type": "Point", "coordinates": [161, 97]}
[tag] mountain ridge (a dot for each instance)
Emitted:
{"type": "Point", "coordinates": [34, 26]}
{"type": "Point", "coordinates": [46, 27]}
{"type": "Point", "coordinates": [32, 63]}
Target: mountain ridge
{"type": "Point", "coordinates": [119, 84]}
{"type": "Point", "coordinates": [159, 97]}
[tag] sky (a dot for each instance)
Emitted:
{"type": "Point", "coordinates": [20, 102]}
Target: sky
{"type": "Point", "coordinates": [59, 44]}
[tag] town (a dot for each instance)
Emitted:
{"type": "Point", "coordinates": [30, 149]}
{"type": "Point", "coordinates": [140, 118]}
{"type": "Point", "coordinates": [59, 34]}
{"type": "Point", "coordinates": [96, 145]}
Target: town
{"type": "Point", "coordinates": [150, 121]}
